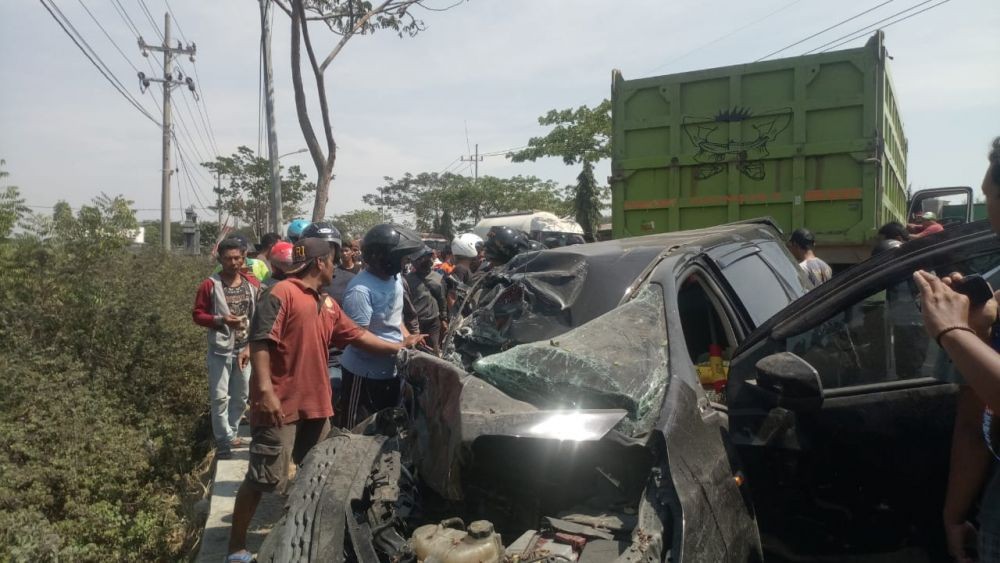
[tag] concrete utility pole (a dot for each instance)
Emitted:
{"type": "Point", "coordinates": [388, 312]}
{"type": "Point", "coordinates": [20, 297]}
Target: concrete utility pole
{"type": "Point", "coordinates": [218, 197]}
{"type": "Point", "coordinates": [475, 158]}
{"type": "Point", "coordinates": [272, 135]}
{"type": "Point", "coordinates": [169, 82]}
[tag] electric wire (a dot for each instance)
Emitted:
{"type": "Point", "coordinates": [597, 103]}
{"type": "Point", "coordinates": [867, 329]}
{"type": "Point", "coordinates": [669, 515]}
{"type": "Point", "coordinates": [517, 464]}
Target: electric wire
{"type": "Point", "coordinates": [194, 189]}
{"type": "Point", "coordinates": [201, 101]}
{"type": "Point", "coordinates": [108, 75]}
{"type": "Point", "coordinates": [123, 13]}
{"type": "Point", "coordinates": [726, 36]}
{"type": "Point", "coordinates": [106, 34]}
{"type": "Point", "coordinates": [867, 29]}
{"type": "Point", "coordinates": [125, 17]}
{"type": "Point", "coordinates": [152, 20]}
{"type": "Point", "coordinates": [834, 26]}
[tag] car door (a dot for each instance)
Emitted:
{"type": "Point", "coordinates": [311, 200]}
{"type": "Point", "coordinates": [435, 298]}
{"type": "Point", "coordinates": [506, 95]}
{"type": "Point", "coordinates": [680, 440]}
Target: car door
{"type": "Point", "coordinates": [856, 464]}
{"type": "Point", "coordinates": [953, 205]}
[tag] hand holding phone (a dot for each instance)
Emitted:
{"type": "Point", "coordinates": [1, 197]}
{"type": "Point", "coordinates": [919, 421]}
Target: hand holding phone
{"type": "Point", "coordinates": [975, 287]}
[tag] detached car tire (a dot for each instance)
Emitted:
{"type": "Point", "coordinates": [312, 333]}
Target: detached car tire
{"type": "Point", "coordinates": [314, 525]}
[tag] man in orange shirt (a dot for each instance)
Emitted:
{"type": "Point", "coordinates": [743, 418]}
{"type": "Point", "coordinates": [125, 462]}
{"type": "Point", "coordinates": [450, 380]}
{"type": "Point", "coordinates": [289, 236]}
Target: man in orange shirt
{"type": "Point", "coordinates": [290, 388]}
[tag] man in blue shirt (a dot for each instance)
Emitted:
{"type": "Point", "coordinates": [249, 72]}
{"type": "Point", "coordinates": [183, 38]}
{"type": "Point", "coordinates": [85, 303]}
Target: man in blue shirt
{"type": "Point", "coordinates": [374, 301]}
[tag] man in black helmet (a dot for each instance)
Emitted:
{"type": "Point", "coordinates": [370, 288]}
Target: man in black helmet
{"type": "Point", "coordinates": [503, 244]}
{"type": "Point", "coordinates": [374, 300]}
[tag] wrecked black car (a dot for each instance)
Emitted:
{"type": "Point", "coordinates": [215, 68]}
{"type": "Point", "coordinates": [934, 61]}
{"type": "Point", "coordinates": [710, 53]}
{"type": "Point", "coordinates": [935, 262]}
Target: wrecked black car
{"type": "Point", "coordinates": [591, 425]}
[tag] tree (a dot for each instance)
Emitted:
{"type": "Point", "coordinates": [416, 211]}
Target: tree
{"type": "Point", "coordinates": [355, 224]}
{"type": "Point", "coordinates": [581, 135]}
{"type": "Point", "coordinates": [248, 194]}
{"type": "Point", "coordinates": [346, 18]}
{"type": "Point", "coordinates": [587, 203]}
{"type": "Point", "coordinates": [428, 196]}
{"type": "Point", "coordinates": [447, 226]}
{"type": "Point", "coordinates": [12, 207]}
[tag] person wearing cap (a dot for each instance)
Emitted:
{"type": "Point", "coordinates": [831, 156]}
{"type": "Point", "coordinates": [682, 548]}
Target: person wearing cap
{"type": "Point", "coordinates": [802, 244]}
{"type": "Point", "coordinates": [927, 224]}
{"type": "Point", "coordinates": [426, 289]}
{"type": "Point", "coordinates": [224, 304]}
{"type": "Point", "coordinates": [290, 401]}
{"type": "Point", "coordinates": [281, 260]}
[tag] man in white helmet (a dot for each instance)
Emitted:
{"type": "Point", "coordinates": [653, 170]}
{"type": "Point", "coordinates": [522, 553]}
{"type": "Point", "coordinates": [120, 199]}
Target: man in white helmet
{"type": "Point", "coordinates": [465, 252]}
{"type": "Point", "coordinates": [927, 224]}
{"type": "Point", "coordinates": [477, 242]}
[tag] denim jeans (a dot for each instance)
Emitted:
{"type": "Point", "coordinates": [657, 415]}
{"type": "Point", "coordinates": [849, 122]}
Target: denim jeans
{"type": "Point", "coordinates": [228, 387]}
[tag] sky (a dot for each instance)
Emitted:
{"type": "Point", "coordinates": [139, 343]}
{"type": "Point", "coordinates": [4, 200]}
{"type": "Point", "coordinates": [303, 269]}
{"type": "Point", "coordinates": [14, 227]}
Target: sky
{"type": "Point", "coordinates": [481, 73]}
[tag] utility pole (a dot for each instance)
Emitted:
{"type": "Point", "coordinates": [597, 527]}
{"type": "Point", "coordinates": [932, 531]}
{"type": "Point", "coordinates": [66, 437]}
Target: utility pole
{"type": "Point", "coordinates": [272, 135]}
{"type": "Point", "coordinates": [476, 159]}
{"type": "Point", "coordinates": [168, 81]}
{"type": "Point", "coordinates": [218, 196]}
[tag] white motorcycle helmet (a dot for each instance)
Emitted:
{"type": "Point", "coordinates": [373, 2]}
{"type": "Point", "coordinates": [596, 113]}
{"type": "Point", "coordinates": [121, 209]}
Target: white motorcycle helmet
{"type": "Point", "coordinates": [464, 248]}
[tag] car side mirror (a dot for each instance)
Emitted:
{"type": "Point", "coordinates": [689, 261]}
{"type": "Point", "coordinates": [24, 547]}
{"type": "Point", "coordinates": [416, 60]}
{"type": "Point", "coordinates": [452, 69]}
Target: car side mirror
{"type": "Point", "coordinates": [795, 383]}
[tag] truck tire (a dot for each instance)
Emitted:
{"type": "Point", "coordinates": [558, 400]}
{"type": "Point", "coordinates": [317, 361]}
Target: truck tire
{"type": "Point", "coordinates": [313, 527]}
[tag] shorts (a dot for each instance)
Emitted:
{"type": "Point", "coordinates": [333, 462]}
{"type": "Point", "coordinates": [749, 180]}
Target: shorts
{"type": "Point", "coordinates": [361, 397]}
{"type": "Point", "coordinates": [272, 448]}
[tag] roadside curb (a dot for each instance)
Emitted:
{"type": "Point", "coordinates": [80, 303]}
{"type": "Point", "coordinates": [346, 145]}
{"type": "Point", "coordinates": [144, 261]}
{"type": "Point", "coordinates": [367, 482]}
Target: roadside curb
{"type": "Point", "coordinates": [226, 482]}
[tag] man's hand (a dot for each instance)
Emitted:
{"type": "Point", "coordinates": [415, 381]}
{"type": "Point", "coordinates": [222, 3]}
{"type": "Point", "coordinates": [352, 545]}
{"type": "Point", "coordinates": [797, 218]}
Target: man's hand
{"type": "Point", "coordinates": [270, 408]}
{"type": "Point", "coordinates": [941, 306]}
{"type": "Point", "coordinates": [412, 340]}
{"type": "Point", "coordinates": [960, 536]}
{"type": "Point", "coordinates": [981, 317]}
{"type": "Point", "coordinates": [232, 321]}
{"type": "Point", "coordinates": [244, 358]}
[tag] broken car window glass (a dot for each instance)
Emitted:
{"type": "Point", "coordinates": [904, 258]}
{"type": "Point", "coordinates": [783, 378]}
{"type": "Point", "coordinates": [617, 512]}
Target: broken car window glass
{"type": "Point", "coordinates": [618, 360]}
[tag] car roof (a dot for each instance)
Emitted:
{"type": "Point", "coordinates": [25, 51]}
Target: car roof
{"type": "Point", "coordinates": [614, 266]}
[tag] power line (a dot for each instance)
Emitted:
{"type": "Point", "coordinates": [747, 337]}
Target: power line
{"type": "Point", "coordinates": [173, 17]}
{"type": "Point", "coordinates": [836, 25]}
{"type": "Point", "coordinates": [203, 115]}
{"type": "Point", "coordinates": [124, 15]}
{"type": "Point", "coordinates": [867, 29]}
{"type": "Point", "coordinates": [106, 34]}
{"type": "Point", "coordinates": [101, 67]}
{"type": "Point", "coordinates": [152, 20]}
{"type": "Point", "coordinates": [726, 36]}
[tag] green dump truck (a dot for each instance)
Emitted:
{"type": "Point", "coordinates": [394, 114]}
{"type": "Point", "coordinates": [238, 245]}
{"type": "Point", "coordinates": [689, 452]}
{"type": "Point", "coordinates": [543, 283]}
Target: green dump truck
{"type": "Point", "coordinates": [813, 141]}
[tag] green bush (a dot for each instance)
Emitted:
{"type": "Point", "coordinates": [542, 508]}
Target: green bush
{"type": "Point", "coordinates": [103, 397]}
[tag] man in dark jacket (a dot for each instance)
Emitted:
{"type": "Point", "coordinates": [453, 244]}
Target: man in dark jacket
{"type": "Point", "coordinates": [426, 288]}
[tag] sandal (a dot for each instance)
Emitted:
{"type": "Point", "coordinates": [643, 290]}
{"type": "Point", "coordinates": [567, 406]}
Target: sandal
{"type": "Point", "coordinates": [241, 556]}
{"type": "Point", "coordinates": [238, 442]}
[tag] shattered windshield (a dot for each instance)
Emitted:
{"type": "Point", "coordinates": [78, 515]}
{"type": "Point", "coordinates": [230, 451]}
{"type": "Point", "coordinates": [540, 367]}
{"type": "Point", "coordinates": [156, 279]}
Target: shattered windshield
{"type": "Point", "coordinates": [618, 360]}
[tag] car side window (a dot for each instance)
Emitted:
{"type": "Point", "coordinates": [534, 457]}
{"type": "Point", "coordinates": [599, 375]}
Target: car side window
{"type": "Point", "coordinates": [757, 286]}
{"type": "Point", "coordinates": [881, 338]}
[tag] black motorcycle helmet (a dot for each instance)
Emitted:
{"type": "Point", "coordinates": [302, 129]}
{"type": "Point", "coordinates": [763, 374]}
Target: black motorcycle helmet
{"type": "Point", "coordinates": [386, 245]}
{"type": "Point", "coordinates": [535, 245]}
{"type": "Point", "coordinates": [327, 232]}
{"type": "Point", "coordinates": [504, 243]}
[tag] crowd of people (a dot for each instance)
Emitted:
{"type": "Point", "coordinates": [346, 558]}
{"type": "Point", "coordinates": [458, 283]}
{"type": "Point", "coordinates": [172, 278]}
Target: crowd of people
{"type": "Point", "coordinates": [305, 330]}
{"type": "Point", "coordinates": [306, 333]}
